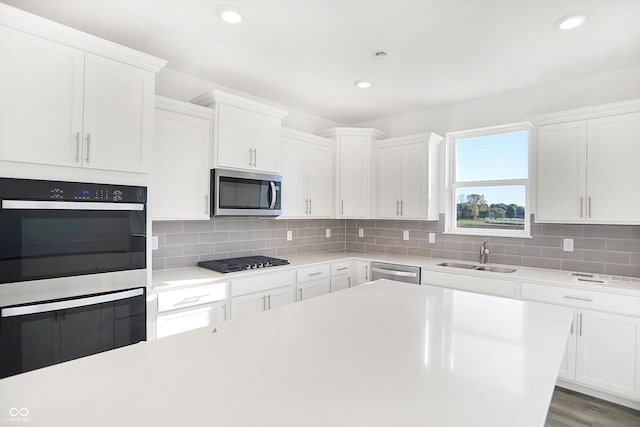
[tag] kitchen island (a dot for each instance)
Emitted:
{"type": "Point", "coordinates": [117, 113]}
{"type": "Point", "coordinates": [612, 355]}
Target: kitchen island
{"type": "Point", "coordinates": [380, 354]}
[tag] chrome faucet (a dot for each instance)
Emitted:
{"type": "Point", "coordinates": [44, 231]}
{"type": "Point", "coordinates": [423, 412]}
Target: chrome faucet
{"type": "Point", "coordinates": [484, 253]}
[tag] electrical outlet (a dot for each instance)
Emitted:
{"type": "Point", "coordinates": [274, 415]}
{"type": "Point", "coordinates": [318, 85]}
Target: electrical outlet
{"type": "Point", "coordinates": [289, 235]}
{"type": "Point", "coordinates": [567, 245]}
{"type": "Point", "coordinates": [328, 233]}
{"type": "Point", "coordinates": [432, 237]}
{"type": "Point", "coordinates": [154, 243]}
{"type": "Point", "coordinates": [405, 235]}
{"type": "Point", "coordinates": [360, 232]}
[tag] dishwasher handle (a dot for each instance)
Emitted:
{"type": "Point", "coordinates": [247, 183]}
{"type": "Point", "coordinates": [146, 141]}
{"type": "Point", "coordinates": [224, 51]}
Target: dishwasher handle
{"type": "Point", "coordinates": [394, 272]}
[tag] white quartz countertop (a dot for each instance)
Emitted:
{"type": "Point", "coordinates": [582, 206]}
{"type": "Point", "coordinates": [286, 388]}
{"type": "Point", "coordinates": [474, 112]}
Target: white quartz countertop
{"type": "Point", "coordinates": [192, 275]}
{"type": "Point", "coordinates": [381, 354]}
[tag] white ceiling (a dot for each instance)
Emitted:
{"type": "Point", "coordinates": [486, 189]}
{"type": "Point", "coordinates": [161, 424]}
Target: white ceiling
{"type": "Point", "coordinates": [307, 53]}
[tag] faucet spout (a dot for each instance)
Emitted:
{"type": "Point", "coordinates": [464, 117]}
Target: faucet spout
{"type": "Point", "coordinates": [484, 253]}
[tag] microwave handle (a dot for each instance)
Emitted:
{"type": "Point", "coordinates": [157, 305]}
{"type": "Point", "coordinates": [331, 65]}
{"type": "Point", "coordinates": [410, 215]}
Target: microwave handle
{"type": "Point", "coordinates": [273, 195]}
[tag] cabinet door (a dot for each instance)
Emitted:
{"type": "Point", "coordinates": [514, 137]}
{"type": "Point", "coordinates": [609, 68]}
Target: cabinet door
{"type": "Point", "coordinates": [389, 173]}
{"type": "Point", "coordinates": [613, 172]}
{"type": "Point", "coordinates": [414, 182]}
{"type": "Point", "coordinates": [232, 139]}
{"type": "Point", "coordinates": [568, 364]}
{"type": "Point", "coordinates": [280, 296]}
{"type": "Point", "coordinates": [219, 312]}
{"type": "Point", "coordinates": [182, 321]}
{"type": "Point", "coordinates": [264, 138]}
{"type": "Point", "coordinates": [118, 115]}
{"type": "Point", "coordinates": [362, 272]}
{"type": "Point", "coordinates": [313, 289]}
{"type": "Point", "coordinates": [339, 283]}
{"type": "Point", "coordinates": [562, 172]}
{"type": "Point", "coordinates": [320, 180]}
{"type": "Point", "coordinates": [294, 173]}
{"type": "Point", "coordinates": [247, 305]}
{"type": "Point", "coordinates": [609, 352]}
{"type": "Point", "coordinates": [354, 177]}
{"type": "Point", "coordinates": [41, 86]}
{"type": "Point", "coordinates": [179, 181]}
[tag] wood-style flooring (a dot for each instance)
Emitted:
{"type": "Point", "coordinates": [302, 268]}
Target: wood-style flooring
{"type": "Point", "coordinates": [571, 409]}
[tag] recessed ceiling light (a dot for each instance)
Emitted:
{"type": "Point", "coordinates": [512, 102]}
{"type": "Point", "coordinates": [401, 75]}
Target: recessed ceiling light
{"type": "Point", "coordinates": [569, 22]}
{"type": "Point", "coordinates": [229, 14]}
{"type": "Point", "coordinates": [362, 84]}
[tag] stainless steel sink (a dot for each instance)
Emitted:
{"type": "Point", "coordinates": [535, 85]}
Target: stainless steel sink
{"type": "Point", "coordinates": [458, 265]}
{"type": "Point", "coordinates": [478, 267]}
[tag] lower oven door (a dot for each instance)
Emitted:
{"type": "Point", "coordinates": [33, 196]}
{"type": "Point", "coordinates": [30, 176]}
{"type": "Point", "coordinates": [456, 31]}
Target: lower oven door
{"type": "Point", "coordinates": [49, 239]}
{"type": "Point", "coordinates": [41, 334]}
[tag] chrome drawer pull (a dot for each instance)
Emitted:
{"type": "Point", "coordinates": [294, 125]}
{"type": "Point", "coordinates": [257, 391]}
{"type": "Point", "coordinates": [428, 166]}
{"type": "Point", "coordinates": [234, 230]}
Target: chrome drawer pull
{"type": "Point", "coordinates": [578, 298]}
{"type": "Point", "coordinates": [342, 268]}
{"type": "Point", "coordinates": [316, 273]}
{"type": "Point", "coordinates": [190, 300]}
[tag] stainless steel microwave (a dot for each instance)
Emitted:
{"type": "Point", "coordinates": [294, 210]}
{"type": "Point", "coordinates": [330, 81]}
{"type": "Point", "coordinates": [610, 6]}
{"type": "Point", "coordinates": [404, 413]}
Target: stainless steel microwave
{"type": "Point", "coordinates": [244, 193]}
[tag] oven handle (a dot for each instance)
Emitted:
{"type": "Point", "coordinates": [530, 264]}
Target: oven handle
{"type": "Point", "coordinates": [75, 206]}
{"type": "Point", "coordinates": [72, 303]}
{"type": "Point", "coordinates": [273, 195]}
{"type": "Point", "coordinates": [394, 272]}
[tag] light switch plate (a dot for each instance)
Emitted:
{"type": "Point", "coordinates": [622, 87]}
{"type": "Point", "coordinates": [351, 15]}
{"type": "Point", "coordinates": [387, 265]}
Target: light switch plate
{"type": "Point", "coordinates": [289, 235]}
{"type": "Point", "coordinates": [567, 245]}
{"type": "Point", "coordinates": [328, 233]}
{"type": "Point", "coordinates": [360, 232]}
{"type": "Point", "coordinates": [154, 243]}
{"type": "Point", "coordinates": [432, 237]}
{"type": "Point", "coordinates": [405, 234]}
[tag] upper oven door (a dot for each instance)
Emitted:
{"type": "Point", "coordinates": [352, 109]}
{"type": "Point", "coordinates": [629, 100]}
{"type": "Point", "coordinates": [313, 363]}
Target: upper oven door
{"type": "Point", "coordinates": [48, 239]}
{"type": "Point", "coordinates": [237, 193]}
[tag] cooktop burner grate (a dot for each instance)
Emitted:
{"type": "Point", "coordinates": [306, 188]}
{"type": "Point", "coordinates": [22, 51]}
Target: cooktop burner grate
{"type": "Point", "coordinates": [230, 265]}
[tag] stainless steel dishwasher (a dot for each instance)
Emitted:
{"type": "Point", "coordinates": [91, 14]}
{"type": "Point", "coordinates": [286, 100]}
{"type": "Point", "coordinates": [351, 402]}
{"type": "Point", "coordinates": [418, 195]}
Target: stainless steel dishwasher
{"type": "Point", "coordinates": [397, 272]}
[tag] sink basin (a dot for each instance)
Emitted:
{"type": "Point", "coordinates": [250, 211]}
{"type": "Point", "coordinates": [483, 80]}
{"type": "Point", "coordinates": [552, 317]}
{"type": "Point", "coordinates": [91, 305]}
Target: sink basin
{"type": "Point", "coordinates": [458, 265]}
{"type": "Point", "coordinates": [478, 267]}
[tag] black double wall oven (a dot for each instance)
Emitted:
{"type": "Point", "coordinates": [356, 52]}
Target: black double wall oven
{"type": "Point", "coordinates": [72, 270]}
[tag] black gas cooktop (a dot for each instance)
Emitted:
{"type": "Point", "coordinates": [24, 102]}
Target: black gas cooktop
{"type": "Point", "coordinates": [242, 263]}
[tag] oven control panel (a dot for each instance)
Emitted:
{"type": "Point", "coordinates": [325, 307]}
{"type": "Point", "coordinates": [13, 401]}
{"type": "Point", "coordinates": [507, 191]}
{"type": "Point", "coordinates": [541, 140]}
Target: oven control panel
{"type": "Point", "coordinates": [11, 188]}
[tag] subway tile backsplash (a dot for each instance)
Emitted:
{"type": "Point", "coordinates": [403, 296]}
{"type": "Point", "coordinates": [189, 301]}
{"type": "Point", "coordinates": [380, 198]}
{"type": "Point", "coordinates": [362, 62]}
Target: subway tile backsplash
{"type": "Point", "coordinates": [607, 249]}
{"type": "Point", "coordinates": [184, 243]}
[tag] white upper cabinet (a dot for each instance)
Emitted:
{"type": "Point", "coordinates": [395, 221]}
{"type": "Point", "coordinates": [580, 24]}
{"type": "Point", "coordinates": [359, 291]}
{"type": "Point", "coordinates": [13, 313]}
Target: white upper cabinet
{"type": "Point", "coordinates": [406, 171]}
{"type": "Point", "coordinates": [64, 102]}
{"type": "Point", "coordinates": [306, 165]}
{"type": "Point", "coordinates": [353, 171]}
{"type": "Point", "coordinates": [179, 180]}
{"type": "Point", "coordinates": [588, 169]}
{"type": "Point", "coordinates": [246, 132]}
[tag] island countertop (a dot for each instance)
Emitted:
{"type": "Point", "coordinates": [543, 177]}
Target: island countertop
{"type": "Point", "coordinates": [381, 354]}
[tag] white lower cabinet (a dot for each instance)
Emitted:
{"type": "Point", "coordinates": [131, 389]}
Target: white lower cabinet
{"type": "Point", "coordinates": [184, 309]}
{"type": "Point", "coordinates": [341, 275]}
{"type": "Point", "coordinates": [603, 349]}
{"type": "Point", "coordinates": [246, 305]}
{"type": "Point", "coordinates": [363, 274]}
{"type": "Point", "coordinates": [313, 289]}
{"type": "Point", "coordinates": [482, 285]}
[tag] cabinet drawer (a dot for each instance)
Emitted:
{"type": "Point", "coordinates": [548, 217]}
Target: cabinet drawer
{"type": "Point", "coordinates": [340, 268]}
{"type": "Point", "coordinates": [187, 297]}
{"type": "Point", "coordinates": [262, 282]}
{"type": "Point", "coordinates": [620, 304]}
{"type": "Point", "coordinates": [483, 285]}
{"type": "Point", "coordinates": [182, 321]}
{"type": "Point", "coordinates": [313, 273]}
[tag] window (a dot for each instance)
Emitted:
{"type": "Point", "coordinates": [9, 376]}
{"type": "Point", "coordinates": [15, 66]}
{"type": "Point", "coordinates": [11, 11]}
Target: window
{"type": "Point", "coordinates": [488, 191]}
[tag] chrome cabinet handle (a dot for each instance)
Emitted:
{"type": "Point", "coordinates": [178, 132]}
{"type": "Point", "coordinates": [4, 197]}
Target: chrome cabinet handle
{"type": "Point", "coordinates": [264, 302]}
{"type": "Point", "coordinates": [349, 284]}
{"type": "Point", "coordinates": [366, 272]}
{"type": "Point", "coordinates": [401, 207]}
{"type": "Point", "coordinates": [572, 322]}
{"type": "Point", "coordinates": [397, 207]}
{"type": "Point", "coordinates": [269, 301]}
{"type": "Point", "coordinates": [306, 206]}
{"type": "Point", "coordinates": [342, 268]}
{"type": "Point", "coordinates": [224, 311]}
{"type": "Point", "coordinates": [206, 203]}
{"type": "Point", "coordinates": [581, 206]}
{"type": "Point", "coordinates": [250, 156]}
{"type": "Point", "coordinates": [300, 290]}
{"type": "Point", "coordinates": [190, 300]}
{"type": "Point", "coordinates": [580, 325]}
{"type": "Point", "coordinates": [578, 298]}
{"type": "Point", "coordinates": [309, 206]}
{"type": "Point", "coordinates": [589, 207]}
{"type": "Point", "coordinates": [341, 207]}
{"type": "Point", "coordinates": [255, 157]}
{"type": "Point", "coordinates": [88, 146]}
{"type": "Point", "coordinates": [77, 147]}
{"type": "Point", "coordinates": [317, 273]}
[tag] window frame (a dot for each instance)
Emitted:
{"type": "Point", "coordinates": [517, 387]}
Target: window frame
{"type": "Point", "coordinates": [452, 185]}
